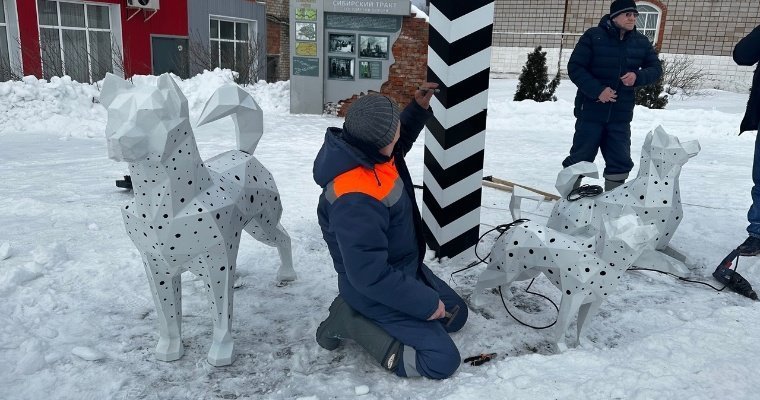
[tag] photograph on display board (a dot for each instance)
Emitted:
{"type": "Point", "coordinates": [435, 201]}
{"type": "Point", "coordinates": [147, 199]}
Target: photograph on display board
{"type": "Point", "coordinates": [306, 14]}
{"type": "Point", "coordinates": [340, 68]}
{"type": "Point", "coordinates": [306, 31]}
{"type": "Point", "coordinates": [341, 43]}
{"type": "Point", "coordinates": [370, 69]}
{"type": "Point", "coordinates": [373, 47]}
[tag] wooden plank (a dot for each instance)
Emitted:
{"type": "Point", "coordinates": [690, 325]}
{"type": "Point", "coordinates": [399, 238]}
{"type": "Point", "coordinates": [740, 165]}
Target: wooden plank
{"type": "Point", "coordinates": [508, 186]}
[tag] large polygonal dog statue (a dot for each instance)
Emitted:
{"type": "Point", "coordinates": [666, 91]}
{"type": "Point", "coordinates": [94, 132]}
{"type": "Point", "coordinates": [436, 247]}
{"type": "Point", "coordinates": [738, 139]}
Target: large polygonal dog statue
{"type": "Point", "coordinates": [654, 195]}
{"type": "Point", "coordinates": [585, 273]}
{"type": "Point", "coordinates": [187, 214]}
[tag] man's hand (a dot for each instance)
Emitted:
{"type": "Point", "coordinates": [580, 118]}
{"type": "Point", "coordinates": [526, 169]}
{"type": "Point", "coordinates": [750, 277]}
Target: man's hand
{"type": "Point", "coordinates": [628, 79]}
{"type": "Point", "coordinates": [441, 311]}
{"type": "Point", "coordinates": [423, 96]}
{"type": "Point", "coordinates": [608, 95]}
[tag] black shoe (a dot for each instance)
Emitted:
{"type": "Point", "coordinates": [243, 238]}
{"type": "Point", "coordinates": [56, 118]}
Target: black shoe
{"type": "Point", "coordinates": [750, 247]}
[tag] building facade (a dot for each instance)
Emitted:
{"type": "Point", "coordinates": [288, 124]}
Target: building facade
{"type": "Point", "coordinates": [703, 31]}
{"type": "Point", "coordinates": [278, 44]}
{"type": "Point", "coordinates": [86, 39]}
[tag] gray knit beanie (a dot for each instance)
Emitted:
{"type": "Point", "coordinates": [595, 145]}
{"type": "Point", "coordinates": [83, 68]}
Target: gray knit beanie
{"type": "Point", "coordinates": [372, 120]}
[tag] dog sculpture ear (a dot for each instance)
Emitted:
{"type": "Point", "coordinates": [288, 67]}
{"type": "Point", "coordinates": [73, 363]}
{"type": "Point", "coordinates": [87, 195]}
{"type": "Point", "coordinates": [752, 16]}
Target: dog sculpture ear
{"type": "Point", "coordinates": [112, 87]}
{"type": "Point", "coordinates": [174, 93]}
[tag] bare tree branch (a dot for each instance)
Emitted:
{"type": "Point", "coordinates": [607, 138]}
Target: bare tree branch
{"type": "Point", "coordinates": [681, 73]}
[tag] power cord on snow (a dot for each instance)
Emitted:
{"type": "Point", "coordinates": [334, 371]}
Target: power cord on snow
{"type": "Point", "coordinates": [502, 229]}
{"type": "Point", "coordinates": [680, 278]}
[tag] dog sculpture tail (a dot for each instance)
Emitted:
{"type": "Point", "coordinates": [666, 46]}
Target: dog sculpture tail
{"type": "Point", "coordinates": [247, 115]}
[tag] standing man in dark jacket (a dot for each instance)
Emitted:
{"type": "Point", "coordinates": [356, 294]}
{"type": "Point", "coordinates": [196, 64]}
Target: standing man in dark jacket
{"type": "Point", "coordinates": [747, 52]}
{"type": "Point", "coordinates": [607, 64]}
{"type": "Point", "coordinates": [390, 303]}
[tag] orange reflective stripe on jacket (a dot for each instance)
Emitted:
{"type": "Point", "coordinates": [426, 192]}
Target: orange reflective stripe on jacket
{"type": "Point", "coordinates": [383, 184]}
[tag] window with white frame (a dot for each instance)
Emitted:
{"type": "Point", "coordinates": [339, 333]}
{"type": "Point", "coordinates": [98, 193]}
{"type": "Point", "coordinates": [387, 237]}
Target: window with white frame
{"type": "Point", "coordinates": [648, 21]}
{"type": "Point", "coordinates": [5, 55]}
{"type": "Point", "coordinates": [231, 44]}
{"type": "Point", "coordinates": [75, 40]}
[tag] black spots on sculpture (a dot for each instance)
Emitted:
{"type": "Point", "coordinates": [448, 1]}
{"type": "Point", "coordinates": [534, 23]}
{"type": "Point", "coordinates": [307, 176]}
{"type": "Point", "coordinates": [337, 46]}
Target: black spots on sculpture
{"type": "Point", "coordinates": [552, 240]}
{"type": "Point", "coordinates": [568, 292]}
{"type": "Point", "coordinates": [511, 254]}
{"type": "Point", "coordinates": [189, 182]}
{"type": "Point", "coordinates": [217, 216]}
{"type": "Point", "coordinates": [603, 273]}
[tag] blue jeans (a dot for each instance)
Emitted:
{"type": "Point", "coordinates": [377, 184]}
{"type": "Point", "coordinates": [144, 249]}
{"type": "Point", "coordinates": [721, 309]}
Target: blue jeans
{"type": "Point", "coordinates": [753, 216]}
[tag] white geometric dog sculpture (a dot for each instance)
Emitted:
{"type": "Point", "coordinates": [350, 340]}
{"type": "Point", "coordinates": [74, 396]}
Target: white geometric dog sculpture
{"type": "Point", "coordinates": [585, 273]}
{"type": "Point", "coordinates": [187, 214]}
{"type": "Point", "coordinates": [653, 195]}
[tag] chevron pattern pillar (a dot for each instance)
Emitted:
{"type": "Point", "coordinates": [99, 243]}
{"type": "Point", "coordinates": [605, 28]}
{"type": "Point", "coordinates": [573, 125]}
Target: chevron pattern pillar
{"type": "Point", "coordinates": [459, 59]}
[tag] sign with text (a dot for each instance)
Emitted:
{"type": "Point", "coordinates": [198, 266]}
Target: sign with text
{"type": "Point", "coordinates": [387, 7]}
{"type": "Point", "coordinates": [360, 22]}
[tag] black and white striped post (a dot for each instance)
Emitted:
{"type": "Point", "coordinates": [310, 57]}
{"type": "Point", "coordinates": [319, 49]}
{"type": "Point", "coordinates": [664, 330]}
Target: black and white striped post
{"type": "Point", "coordinates": [459, 59]}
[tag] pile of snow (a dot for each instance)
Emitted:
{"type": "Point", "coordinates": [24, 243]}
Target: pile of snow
{"type": "Point", "coordinates": [72, 108]}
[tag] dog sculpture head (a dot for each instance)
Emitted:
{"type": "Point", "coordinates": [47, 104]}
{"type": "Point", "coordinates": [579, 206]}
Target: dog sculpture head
{"type": "Point", "coordinates": [666, 153]}
{"type": "Point", "coordinates": [621, 240]}
{"type": "Point", "coordinates": [140, 117]}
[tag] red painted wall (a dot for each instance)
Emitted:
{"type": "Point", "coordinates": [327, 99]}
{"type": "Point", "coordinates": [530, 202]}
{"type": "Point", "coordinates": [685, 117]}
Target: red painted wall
{"type": "Point", "coordinates": [170, 20]}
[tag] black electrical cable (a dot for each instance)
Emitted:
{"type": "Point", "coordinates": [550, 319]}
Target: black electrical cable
{"type": "Point", "coordinates": [687, 280]}
{"type": "Point", "coordinates": [584, 191]}
{"type": "Point", "coordinates": [502, 229]}
{"type": "Point", "coordinates": [533, 293]}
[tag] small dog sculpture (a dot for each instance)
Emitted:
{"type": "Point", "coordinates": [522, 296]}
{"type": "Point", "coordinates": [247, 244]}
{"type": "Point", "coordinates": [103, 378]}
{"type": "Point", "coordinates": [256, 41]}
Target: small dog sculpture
{"type": "Point", "coordinates": [653, 195]}
{"type": "Point", "coordinates": [585, 273]}
{"type": "Point", "coordinates": [187, 214]}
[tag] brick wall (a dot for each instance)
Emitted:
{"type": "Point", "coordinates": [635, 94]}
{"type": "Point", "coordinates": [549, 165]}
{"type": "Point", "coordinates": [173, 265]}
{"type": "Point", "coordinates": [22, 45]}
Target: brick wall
{"type": "Point", "coordinates": [708, 27]}
{"type": "Point", "coordinates": [278, 8]}
{"type": "Point", "coordinates": [278, 19]}
{"type": "Point", "coordinates": [410, 68]}
{"type": "Point", "coordinates": [705, 30]}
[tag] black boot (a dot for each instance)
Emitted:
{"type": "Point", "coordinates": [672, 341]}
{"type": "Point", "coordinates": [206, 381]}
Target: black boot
{"type": "Point", "coordinates": [344, 322]}
{"type": "Point", "coordinates": [750, 247]}
{"type": "Point", "coordinates": [610, 184]}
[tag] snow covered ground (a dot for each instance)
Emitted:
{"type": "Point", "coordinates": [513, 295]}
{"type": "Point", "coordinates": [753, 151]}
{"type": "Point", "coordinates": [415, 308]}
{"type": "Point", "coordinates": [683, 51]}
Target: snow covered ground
{"type": "Point", "coordinates": [78, 320]}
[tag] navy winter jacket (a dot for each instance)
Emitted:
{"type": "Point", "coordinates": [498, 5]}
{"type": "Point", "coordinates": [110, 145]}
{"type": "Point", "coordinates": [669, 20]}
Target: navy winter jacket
{"type": "Point", "coordinates": [373, 229]}
{"type": "Point", "coordinates": [747, 52]}
{"type": "Point", "coordinates": [599, 60]}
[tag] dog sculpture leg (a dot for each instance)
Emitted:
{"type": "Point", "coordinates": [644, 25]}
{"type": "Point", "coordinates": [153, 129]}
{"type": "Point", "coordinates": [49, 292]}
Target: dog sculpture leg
{"type": "Point", "coordinates": [167, 295]}
{"type": "Point", "coordinates": [568, 307]}
{"type": "Point", "coordinates": [221, 273]}
{"type": "Point", "coordinates": [585, 314]}
{"type": "Point", "coordinates": [276, 237]}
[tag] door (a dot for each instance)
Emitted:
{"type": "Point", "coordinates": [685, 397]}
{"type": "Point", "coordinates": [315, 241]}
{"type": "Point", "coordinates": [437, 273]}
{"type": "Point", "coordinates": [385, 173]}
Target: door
{"type": "Point", "coordinates": [170, 55]}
